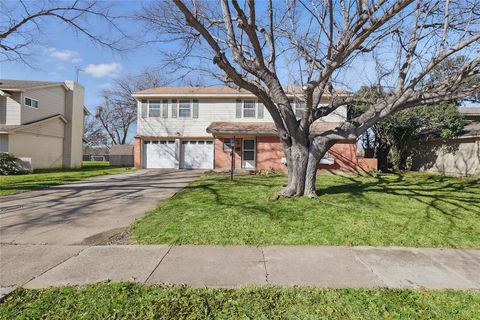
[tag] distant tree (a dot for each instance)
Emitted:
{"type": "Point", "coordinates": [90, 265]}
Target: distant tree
{"type": "Point", "coordinates": [22, 24]}
{"type": "Point", "coordinates": [393, 137]}
{"type": "Point", "coordinates": [252, 44]}
{"type": "Point", "coordinates": [94, 135]}
{"type": "Point", "coordinates": [118, 110]}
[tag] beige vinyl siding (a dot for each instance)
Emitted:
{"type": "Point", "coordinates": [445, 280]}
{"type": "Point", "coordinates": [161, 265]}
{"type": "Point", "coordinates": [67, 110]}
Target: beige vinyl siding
{"type": "Point", "coordinates": [10, 109]}
{"type": "Point", "coordinates": [3, 142]}
{"type": "Point", "coordinates": [209, 110]}
{"type": "Point", "coordinates": [51, 101]}
{"type": "Point", "coordinates": [74, 114]}
{"type": "Point", "coordinates": [3, 109]}
{"type": "Point", "coordinates": [460, 157]}
{"type": "Point", "coordinates": [53, 128]}
{"type": "Point", "coordinates": [45, 151]}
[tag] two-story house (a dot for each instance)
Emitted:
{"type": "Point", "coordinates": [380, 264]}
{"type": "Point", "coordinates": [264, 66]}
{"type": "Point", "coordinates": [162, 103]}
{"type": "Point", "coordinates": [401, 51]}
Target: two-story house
{"type": "Point", "coordinates": [197, 128]}
{"type": "Point", "coordinates": [42, 122]}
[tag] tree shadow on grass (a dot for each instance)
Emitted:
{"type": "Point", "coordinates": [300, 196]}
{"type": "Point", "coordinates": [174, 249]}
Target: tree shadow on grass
{"type": "Point", "coordinates": [453, 198]}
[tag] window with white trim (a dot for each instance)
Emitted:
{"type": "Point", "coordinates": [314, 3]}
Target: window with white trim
{"type": "Point", "coordinates": [154, 108]}
{"type": "Point", "coordinates": [227, 144]}
{"type": "Point", "coordinates": [249, 108]}
{"type": "Point", "coordinates": [184, 109]}
{"type": "Point", "coordinates": [299, 109]}
{"type": "Point", "coordinates": [32, 103]}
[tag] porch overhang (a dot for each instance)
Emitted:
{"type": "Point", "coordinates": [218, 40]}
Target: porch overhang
{"type": "Point", "coordinates": [261, 128]}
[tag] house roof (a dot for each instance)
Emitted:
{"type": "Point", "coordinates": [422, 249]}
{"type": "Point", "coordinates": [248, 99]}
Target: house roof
{"type": "Point", "coordinates": [267, 128]}
{"type": "Point", "coordinates": [11, 128]}
{"type": "Point", "coordinates": [21, 85]}
{"type": "Point", "coordinates": [214, 90]}
{"type": "Point", "coordinates": [121, 150]}
{"type": "Point", "coordinates": [469, 111]}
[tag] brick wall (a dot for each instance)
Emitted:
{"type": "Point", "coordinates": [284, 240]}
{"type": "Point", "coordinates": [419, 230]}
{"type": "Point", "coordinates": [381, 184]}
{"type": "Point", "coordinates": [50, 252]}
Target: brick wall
{"type": "Point", "coordinates": [223, 159]}
{"type": "Point", "coordinates": [344, 154]}
{"type": "Point", "coordinates": [137, 152]}
{"type": "Point", "coordinates": [270, 153]}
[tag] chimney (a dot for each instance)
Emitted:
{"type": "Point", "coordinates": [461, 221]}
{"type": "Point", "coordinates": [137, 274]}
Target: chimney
{"type": "Point", "coordinates": [73, 139]}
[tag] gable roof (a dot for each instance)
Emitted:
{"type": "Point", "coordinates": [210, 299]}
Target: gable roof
{"type": "Point", "coordinates": [22, 85]}
{"type": "Point", "coordinates": [214, 90]}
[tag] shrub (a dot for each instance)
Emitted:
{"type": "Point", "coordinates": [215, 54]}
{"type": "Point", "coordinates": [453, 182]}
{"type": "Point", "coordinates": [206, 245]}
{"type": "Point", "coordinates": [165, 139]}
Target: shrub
{"type": "Point", "coordinates": [9, 164]}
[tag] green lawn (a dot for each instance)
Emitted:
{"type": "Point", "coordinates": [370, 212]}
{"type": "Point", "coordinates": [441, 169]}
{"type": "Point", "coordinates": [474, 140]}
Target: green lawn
{"type": "Point", "coordinates": [411, 209]}
{"type": "Point", "coordinates": [133, 301]}
{"type": "Point", "coordinates": [13, 184]}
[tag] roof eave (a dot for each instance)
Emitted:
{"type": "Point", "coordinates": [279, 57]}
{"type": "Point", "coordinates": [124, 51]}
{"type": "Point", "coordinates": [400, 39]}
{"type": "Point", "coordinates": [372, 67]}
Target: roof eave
{"type": "Point", "coordinates": [214, 95]}
{"type": "Point", "coordinates": [36, 87]}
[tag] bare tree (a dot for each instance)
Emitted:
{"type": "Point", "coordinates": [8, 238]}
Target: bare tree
{"type": "Point", "coordinates": [94, 135]}
{"type": "Point", "coordinates": [22, 22]}
{"type": "Point", "coordinates": [119, 109]}
{"type": "Point", "coordinates": [252, 43]}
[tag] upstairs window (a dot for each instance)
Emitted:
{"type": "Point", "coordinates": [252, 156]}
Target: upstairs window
{"type": "Point", "coordinates": [299, 109]}
{"type": "Point", "coordinates": [144, 107]}
{"type": "Point", "coordinates": [32, 103]}
{"type": "Point", "coordinates": [184, 109]}
{"type": "Point", "coordinates": [154, 109]}
{"type": "Point", "coordinates": [249, 108]}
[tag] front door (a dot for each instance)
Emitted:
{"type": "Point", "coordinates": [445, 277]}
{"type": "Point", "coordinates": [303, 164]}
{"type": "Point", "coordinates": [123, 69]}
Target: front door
{"type": "Point", "coordinates": [248, 154]}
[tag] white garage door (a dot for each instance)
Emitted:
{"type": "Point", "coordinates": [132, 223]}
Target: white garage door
{"type": "Point", "coordinates": [160, 154]}
{"type": "Point", "coordinates": [197, 154]}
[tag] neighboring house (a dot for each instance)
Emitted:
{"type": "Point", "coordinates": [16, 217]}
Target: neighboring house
{"type": "Point", "coordinates": [42, 122]}
{"type": "Point", "coordinates": [458, 156]}
{"type": "Point", "coordinates": [195, 128]}
{"type": "Point", "coordinates": [121, 155]}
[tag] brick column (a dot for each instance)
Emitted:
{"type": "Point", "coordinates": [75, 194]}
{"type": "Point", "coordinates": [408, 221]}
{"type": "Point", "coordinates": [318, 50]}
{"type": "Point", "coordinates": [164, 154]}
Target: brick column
{"type": "Point", "coordinates": [137, 152]}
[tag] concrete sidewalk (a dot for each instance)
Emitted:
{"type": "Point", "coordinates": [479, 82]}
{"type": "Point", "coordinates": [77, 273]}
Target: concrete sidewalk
{"type": "Point", "coordinates": [39, 266]}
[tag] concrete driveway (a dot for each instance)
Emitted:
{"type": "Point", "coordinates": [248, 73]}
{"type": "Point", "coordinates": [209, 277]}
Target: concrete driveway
{"type": "Point", "coordinates": [86, 212]}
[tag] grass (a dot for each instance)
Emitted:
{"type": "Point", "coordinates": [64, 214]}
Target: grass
{"type": "Point", "coordinates": [46, 178]}
{"type": "Point", "coordinates": [134, 301]}
{"type": "Point", "coordinates": [413, 209]}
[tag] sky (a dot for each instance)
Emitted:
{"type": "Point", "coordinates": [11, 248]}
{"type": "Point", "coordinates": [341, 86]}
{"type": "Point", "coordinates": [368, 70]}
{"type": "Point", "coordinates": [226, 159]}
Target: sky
{"type": "Point", "coordinates": [61, 51]}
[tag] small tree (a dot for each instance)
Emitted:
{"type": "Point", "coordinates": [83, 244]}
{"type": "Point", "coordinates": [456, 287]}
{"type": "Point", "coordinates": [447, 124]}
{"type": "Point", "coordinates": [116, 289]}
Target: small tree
{"type": "Point", "coordinates": [396, 135]}
{"type": "Point", "coordinates": [254, 43]}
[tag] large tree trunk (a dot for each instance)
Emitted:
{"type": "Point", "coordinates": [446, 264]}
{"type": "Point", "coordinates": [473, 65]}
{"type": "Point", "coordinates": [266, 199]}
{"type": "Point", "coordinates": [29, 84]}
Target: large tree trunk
{"type": "Point", "coordinates": [302, 161]}
{"type": "Point", "coordinates": [297, 160]}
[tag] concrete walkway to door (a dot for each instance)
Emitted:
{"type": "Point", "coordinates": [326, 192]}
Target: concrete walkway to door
{"type": "Point", "coordinates": [37, 266]}
{"type": "Point", "coordinates": [89, 211]}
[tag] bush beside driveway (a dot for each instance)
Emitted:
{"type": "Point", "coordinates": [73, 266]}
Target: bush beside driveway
{"type": "Point", "coordinates": [412, 209]}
